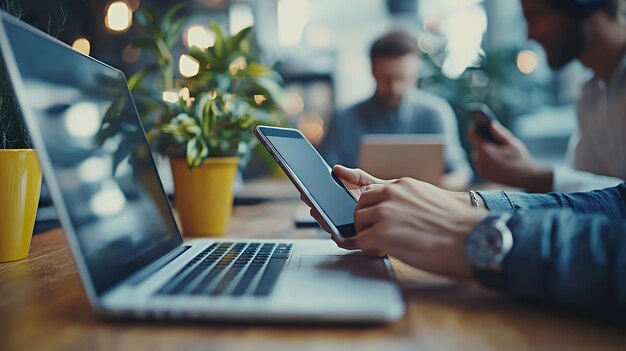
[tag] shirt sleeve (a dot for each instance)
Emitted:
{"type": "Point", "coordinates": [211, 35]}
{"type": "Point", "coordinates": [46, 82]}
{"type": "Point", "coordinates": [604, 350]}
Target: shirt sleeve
{"type": "Point", "coordinates": [456, 159]}
{"type": "Point", "coordinates": [569, 180]}
{"type": "Point", "coordinates": [328, 147]}
{"type": "Point", "coordinates": [565, 259]}
{"type": "Point", "coordinates": [611, 201]}
{"type": "Point", "coordinates": [583, 173]}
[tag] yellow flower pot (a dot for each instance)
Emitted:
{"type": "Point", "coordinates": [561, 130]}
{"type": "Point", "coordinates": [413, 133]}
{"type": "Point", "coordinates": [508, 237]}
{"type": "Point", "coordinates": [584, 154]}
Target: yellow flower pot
{"type": "Point", "coordinates": [20, 186]}
{"type": "Point", "coordinates": [204, 195]}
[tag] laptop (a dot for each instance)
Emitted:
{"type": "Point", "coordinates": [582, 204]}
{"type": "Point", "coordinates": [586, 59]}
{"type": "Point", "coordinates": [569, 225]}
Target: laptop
{"type": "Point", "coordinates": [130, 255]}
{"type": "Point", "coordinates": [392, 156]}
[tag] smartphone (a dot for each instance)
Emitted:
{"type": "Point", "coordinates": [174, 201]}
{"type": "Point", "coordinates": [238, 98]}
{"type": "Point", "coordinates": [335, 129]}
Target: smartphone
{"type": "Point", "coordinates": [312, 176]}
{"type": "Point", "coordinates": [483, 117]}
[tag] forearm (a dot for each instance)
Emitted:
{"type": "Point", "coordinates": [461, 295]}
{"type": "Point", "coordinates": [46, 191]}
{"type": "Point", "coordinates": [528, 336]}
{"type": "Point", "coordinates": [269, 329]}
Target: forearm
{"type": "Point", "coordinates": [611, 202]}
{"type": "Point", "coordinates": [566, 260]}
{"type": "Point", "coordinates": [539, 179]}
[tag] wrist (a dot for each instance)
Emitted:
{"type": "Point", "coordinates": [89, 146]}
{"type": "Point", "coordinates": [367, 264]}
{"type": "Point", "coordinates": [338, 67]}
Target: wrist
{"type": "Point", "coordinates": [477, 200]}
{"type": "Point", "coordinates": [539, 180]}
{"type": "Point", "coordinates": [465, 198]}
{"type": "Point", "coordinates": [487, 248]}
{"type": "Point", "coordinates": [465, 226]}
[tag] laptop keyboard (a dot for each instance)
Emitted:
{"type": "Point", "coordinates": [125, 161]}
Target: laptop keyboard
{"type": "Point", "coordinates": [231, 269]}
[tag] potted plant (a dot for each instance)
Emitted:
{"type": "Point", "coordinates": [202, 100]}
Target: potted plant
{"type": "Point", "coordinates": [20, 172]}
{"type": "Point", "coordinates": [204, 122]}
{"type": "Point", "coordinates": [20, 178]}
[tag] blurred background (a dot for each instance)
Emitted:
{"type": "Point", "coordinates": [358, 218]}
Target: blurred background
{"type": "Point", "coordinates": [473, 51]}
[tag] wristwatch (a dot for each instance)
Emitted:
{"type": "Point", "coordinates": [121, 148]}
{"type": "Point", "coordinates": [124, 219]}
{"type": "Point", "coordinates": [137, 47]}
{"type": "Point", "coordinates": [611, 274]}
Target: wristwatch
{"type": "Point", "coordinates": [487, 246]}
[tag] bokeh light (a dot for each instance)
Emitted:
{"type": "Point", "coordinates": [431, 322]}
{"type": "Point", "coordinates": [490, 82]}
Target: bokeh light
{"type": "Point", "coordinates": [119, 16]}
{"type": "Point", "coordinates": [82, 45]}
{"type": "Point", "coordinates": [527, 61]}
{"type": "Point", "coordinates": [200, 37]}
{"type": "Point", "coordinates": [188, 66]}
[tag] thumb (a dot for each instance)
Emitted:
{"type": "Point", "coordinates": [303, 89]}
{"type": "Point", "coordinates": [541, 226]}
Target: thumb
{"type": "Point", "coordinates": [502, 134]}
{"type": "Point", "coordinates": [356, 176]}
{"type": "Point", "coordinates": [474, 137]}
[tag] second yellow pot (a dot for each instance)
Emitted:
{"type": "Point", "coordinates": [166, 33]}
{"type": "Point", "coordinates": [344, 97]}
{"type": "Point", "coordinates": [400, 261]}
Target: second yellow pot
{"type": "Point", "coordinates": [20, 185]}
{"type": "Point", "coordinates": [204, 195]}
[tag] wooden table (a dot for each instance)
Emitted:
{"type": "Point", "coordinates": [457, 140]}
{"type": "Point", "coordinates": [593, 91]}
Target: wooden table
{"type": "Point", "coordinates": [43, 307]}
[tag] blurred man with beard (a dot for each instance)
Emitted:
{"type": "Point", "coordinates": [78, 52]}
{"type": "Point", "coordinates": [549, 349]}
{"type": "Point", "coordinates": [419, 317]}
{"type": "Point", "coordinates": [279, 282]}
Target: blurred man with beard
{"type": "Point", "coordinates": [591, 31]}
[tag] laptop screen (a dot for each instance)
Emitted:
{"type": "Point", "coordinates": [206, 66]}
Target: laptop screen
{"type": "Point", "coordinates": [82, 119]}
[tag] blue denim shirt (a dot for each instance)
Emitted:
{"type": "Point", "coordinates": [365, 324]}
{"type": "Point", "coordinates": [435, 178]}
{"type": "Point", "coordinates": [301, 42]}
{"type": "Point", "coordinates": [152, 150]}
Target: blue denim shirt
{"type": "Point", "coordinates": [611, 201]}
{"type": "Point", "coordinates": [573, 257]}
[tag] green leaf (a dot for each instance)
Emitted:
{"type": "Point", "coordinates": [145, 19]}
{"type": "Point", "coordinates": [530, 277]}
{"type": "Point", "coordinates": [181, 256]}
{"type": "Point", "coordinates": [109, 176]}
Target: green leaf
{"type": "Point", "coordinates": [269, 87]}
{"type": "Point", "coordinates": [147, 20]}
{"type": "Point", "coordinates": [166, 22]}
{"type": "Point", "coordinates": [147, 44]}
{"type": "Point", "coordinates": [220, 41]}
{"type": "Point", "coordinates": [136, 79]}
{"type": "Point", "coordinates": [206, 115]}
{"type": "Point", "coordinates": [200, 55]}
{"type": "Point", "coordinates": [254, 70]}
{"type": "Point", "coordinates": [240, 38]}
{"type": "Point", "coordinates": [197, 151]}
{"type": "Point", "coordinates": [173, 33]}
{"type": "Point", "coordinates": [191, 153]}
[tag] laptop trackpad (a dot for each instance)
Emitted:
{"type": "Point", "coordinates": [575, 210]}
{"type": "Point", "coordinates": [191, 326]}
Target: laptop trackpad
{"type": "Point", "coordinates": [355, 265]}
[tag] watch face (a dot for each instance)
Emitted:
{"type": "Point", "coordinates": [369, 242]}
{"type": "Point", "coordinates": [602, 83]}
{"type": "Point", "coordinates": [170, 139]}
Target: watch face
{"type": "Point", "coordinates": [484, 245]}
{"type": "Point", "coordinates": [493, 241]}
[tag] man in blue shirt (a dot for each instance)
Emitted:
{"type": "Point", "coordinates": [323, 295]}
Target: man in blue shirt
{"type": "Point", "coordinates": [397, 107]}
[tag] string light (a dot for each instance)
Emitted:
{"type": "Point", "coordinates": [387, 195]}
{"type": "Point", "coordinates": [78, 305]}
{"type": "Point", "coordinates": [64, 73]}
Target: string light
{"type": "Point", "coordinates": [188, 66]}
{"type": "Point", "coordinates": [82, 45]}
{"type": "Point", "coordinates": [170, 96]}
{"type": "Point", "coordinates": [119, 16]}
{"type": "Point", "coordinates": [200, 37]}
{"type": "Point", "coordinates": [527, 61]}
{"type": "Point", "coordinates": [259, 99]}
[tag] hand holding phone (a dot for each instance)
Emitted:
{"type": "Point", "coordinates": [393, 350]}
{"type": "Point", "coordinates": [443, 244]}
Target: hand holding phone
{"type": "Point", "coordinates": [483, 117]}
{"type": "Point", "coordinates": [312, 176]}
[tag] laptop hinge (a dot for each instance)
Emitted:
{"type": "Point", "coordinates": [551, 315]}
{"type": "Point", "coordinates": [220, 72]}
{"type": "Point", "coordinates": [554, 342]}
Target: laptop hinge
{"type": "Point", "coordinates": [153, 267]}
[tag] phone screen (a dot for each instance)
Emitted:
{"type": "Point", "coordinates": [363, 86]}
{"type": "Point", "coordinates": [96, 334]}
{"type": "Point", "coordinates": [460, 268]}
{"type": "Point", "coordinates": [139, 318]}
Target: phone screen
{"type": "Point", "coordinates": [316, 176]}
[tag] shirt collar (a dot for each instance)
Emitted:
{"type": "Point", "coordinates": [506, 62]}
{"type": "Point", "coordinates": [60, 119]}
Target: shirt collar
{"type": "Point", "coordinates": [615, 80]}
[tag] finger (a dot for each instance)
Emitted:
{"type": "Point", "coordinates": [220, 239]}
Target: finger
{"type": "Point", "coordinates": [366, 217]}
{"type": "Point", "coordinates": [491, 152]}
{"type": "Point", "coordinates": [369, 241]}
{"type": "Point", "coordinates": [306, 200]}
{"type": "Point", "coordinates": [375, 252]}
{"type": "Point", "coordinates": [371, 197]}
{"type": "Point", "coordinates": [372, 187]}
{"type": "Point", "coordinates": [501, 134]}
{"type": "Point", "coordinates": [474, 137]}
{"type": "Point", "coordinates": [347, 244]}
{"type": "Point", "coordinates": [476, 158]}
{"type": "Point", "coordinates": [356, 176]}
{"type": "Point", "coordinates": [320, 220]}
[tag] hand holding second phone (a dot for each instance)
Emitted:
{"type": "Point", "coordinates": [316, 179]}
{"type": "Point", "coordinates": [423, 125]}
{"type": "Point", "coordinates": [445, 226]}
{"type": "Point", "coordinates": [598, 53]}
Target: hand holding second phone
{"type": "Point", "coordinates": [509, 162]}
{"type": "Point", "coordinates": [417, 223]}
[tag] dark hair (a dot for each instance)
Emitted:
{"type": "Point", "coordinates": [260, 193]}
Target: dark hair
{"type": "Point", "coordinates": [394, 44]}
{"type": "Point", "coordinates": [613, 7]}
{"type": "Point", "coordinates": [582, 9]}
